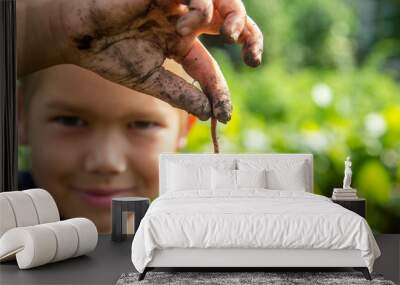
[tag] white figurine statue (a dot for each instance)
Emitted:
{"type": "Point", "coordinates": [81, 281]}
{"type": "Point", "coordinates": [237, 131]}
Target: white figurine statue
{"type": "Point", "coordinates": [347, 174]}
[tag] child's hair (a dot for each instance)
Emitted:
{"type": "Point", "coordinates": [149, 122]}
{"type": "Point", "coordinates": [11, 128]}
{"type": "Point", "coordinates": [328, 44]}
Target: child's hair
{"type": "Point", "coordinates": [27, 86]}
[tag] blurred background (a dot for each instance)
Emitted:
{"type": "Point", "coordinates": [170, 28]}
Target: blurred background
{"type": "Point", "coordinates": [329, 85]}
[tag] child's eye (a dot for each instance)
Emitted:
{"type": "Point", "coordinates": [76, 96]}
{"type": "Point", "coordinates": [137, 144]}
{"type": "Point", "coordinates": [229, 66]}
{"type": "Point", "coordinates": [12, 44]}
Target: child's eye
{"type": "Point", "coordinates": [71, 121]}
{"type": "Point", "coordinates": [143, 125]}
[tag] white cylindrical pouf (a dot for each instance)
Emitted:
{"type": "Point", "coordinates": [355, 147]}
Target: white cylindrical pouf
{"type": "Point", "coordinates": [45, 205]}
{"type": "Point", "coordinates": [35, 245]}
{"type": "Point", "coordinates": [67, 239]}
{"type": "Point", "coordinates": [7, 218]}
{"type": "Point", "coordinates": [87, 234]}
{"type": "Point", "coordinates": [23, 208]}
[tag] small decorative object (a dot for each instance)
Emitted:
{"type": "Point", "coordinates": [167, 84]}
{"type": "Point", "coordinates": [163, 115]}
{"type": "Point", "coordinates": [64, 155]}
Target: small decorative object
{"type": "Point", "coordinates": [122, 209]}
{"type": "Point", "coordinates": [345, 193]}
{"type": "Point", "coordinates": [347, 173]}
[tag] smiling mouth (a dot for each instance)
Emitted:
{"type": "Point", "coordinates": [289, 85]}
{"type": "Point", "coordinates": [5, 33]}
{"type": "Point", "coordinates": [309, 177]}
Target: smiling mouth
{"type": "Point", "coordinates": [102, 197]}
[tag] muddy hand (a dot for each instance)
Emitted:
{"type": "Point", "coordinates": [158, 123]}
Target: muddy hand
{"type": "Point", "coordinates": [127, 41]}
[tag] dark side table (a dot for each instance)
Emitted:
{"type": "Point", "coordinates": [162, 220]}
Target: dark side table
{"type": "Point", "coordinates": [122, 208]}
{"type": "Point", "coordinates": [358, 205]}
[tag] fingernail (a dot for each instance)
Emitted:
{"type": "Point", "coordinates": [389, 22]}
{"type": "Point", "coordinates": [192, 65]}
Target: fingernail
{"type": "Point", "coordinates": [224, 117]}
{"type": "Point", "coordinates": [259, 58]}
{"type": "Point", "coordinates": [235, 36]}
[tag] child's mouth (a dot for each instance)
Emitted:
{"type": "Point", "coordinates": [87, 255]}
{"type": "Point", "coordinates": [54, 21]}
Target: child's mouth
{"type": "Point", "coordinates": [102, 197]}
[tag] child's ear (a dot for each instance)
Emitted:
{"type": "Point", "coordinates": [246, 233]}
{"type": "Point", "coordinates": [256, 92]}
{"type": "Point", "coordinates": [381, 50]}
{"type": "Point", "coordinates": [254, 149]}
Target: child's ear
{"type": "Point", "coordinates": [182, 140]}
{"type": "Point", "coordinates": [21, 119]}
{"type": "Point", "coordinates": [191, 121]}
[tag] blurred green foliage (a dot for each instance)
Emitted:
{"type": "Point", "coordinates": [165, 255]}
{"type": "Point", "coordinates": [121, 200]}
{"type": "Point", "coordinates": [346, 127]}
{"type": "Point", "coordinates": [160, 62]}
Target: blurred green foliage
{"type": "Point", "coordinates": [316, 93]}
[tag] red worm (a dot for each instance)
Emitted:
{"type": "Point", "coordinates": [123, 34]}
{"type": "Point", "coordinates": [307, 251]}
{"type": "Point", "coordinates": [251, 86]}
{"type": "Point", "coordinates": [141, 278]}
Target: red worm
{"type": "Point", "coordinates": [214, 134]}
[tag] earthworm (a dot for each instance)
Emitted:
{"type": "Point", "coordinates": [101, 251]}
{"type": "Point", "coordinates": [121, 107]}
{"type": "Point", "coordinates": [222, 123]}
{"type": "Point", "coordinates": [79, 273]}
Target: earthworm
{"type": "Point", "coordinates": [214, 134]}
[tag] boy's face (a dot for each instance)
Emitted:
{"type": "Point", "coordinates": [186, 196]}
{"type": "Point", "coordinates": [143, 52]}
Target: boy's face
{"type": "Point", "coordinates": [92, 140]}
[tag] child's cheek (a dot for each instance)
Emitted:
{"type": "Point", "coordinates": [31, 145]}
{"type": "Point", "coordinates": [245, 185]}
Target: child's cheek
{"type": "Point", "coordinates": [144, 158]}
{"type": "Point", "coordinates": [55, 159]}
{"type": "Point", "coordinates": [56, 153]}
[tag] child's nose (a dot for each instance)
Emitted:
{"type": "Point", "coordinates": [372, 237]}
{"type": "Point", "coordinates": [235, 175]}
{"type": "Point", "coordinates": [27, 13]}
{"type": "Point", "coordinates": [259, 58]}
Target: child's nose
{"type": "Point", "coordinates": [106, 156]}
